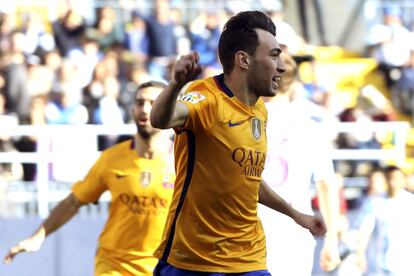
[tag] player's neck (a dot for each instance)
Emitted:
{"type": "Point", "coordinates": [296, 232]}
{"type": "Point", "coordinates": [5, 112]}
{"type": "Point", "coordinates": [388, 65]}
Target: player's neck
{"type": "Point", "coordinates": [238, 86]}
{"type": "Point", "coordinates": [148, 148]}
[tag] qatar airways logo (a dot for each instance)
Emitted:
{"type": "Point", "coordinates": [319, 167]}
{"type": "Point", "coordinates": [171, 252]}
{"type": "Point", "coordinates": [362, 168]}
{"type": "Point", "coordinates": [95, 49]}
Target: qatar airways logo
{"type": "Point", "coordinates": [144, 205]}
{"type": "Point", "coordinates": [250, 161]}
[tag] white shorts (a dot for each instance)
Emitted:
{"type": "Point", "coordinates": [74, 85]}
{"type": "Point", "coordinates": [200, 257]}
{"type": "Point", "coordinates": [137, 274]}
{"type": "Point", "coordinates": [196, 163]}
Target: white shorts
{"type": "Point", "coordinates": [290, 248]}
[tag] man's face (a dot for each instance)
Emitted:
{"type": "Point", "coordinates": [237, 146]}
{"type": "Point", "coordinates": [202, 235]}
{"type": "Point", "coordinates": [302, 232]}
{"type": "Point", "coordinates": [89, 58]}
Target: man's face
{"type": "Point", "coordinates": [144, 100]}
{"type": "Point", "coordinates": [397, 181]}
{"type": "Point", "coordinates": [267, 66]}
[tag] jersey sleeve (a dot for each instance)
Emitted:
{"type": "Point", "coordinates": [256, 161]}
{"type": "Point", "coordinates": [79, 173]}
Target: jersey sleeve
{"type": "Point", "coordinates": [93, 185]}
{"type": "Point", "coordinates": [202, 107]}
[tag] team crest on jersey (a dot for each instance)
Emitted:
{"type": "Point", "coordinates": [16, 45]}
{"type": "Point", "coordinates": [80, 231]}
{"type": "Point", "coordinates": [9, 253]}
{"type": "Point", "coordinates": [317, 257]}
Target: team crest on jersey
{"type": "Point", "coordinates": [168, 182]}
{"type": "Point", "coordinates": [145, 179]}
{"type": "Point", "coordinates": [192, 97]}
{"type": "Point", "coordinates": [256, 128]}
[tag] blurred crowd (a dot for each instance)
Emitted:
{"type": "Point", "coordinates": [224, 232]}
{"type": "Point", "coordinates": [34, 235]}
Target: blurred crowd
{"type": "Point", "coordinates": [71, 71]}
{"type": "Point", "coordinates": [68, 71]}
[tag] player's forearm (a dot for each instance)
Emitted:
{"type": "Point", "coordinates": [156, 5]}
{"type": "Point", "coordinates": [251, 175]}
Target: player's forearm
{"type": "Point", "coordinates": [272, 200]}
{"type": "Point", "coordinates": [328, 196]}
{"type": "Point", "coordinates": [60, 215]}
{"type": "Point", "coordinates": [164, 107]}
{"type": "Point", "coordinates": [365, 231]}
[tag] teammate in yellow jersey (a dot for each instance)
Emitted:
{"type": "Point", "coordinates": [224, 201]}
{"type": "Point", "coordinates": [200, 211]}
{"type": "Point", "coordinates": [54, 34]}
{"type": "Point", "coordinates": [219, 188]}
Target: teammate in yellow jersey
{"type": "Point", "coordinates": [139, 174]}
{"type": "Point", "coordinates": [220, 152]}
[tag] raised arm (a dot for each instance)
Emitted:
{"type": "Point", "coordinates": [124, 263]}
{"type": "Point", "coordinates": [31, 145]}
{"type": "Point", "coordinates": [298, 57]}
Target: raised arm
{"type": "Point", "coordinates": [272, 200]}
{"type": "Point", "coordinates": [61, 214]}
{"type": "Point", "coordinates": [166, 111]}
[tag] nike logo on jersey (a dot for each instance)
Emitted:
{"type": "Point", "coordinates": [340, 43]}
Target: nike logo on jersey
{"type": "Point", "coordinates": [119, 176]}
{"type": "Point", "coordinates": [232, 124]}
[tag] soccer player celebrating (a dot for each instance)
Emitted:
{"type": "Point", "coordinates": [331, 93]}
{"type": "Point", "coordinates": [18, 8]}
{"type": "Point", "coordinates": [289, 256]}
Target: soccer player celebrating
{"type": "Point", "coordinates": [220, 152]}
{"type": "Point", "coordinates": [139, 175]}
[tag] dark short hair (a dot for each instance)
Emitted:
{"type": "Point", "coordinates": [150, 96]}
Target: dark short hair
{"type": "Point", "coordinates": [388, 170]}
{"type": "Point", "coordinates": [152, 83]}
{"type": "Point", "coordinates": [239, 34]}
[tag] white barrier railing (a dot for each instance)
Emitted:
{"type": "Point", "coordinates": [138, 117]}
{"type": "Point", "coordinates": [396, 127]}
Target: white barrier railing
{"type": "Point", "coordinates": [397, 153]}
{"type": "Point", "coordinates": [55, 144]}
{"type": "Point", "coordinates": [71, 149]}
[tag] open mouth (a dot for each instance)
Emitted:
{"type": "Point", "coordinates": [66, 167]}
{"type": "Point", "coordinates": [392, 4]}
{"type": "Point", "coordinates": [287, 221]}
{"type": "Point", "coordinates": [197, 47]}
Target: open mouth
{"type": "Point", "coordinates": [276, 81]}
{"type": "Point", "coordinates": [143, 121]}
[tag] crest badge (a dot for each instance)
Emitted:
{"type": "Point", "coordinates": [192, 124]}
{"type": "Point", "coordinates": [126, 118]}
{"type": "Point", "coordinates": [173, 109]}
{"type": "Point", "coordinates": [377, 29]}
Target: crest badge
{"type": "Point", "coordinates": [168, 182]}
{"type": "Point", "coordinates": [145, 179]}
{"type": "Point", "coordinates": [256, 128]}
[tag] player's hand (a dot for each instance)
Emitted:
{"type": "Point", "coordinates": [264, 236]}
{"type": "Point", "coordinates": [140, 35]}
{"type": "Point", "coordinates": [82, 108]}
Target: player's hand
{"type": "Point", "coordinates": [186, 69]}
{"type": "Point", "coordinates": [31, 244]}
{"type": "Point", "coordinates": [314, 224]}
{"type": "Point", "coordinates": [361, 261]}
{"type": "Point", "coordinates": [329, 256]}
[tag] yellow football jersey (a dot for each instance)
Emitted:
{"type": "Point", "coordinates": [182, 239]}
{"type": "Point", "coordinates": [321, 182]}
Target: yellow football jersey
{"type": "Point", "coordinates": [141, 191]}
{"type": "Point", "coordinates": [220, 154]}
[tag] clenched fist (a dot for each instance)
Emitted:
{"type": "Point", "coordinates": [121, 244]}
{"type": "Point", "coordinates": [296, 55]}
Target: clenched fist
{"type": "Point", "coordinates": [186, 69]}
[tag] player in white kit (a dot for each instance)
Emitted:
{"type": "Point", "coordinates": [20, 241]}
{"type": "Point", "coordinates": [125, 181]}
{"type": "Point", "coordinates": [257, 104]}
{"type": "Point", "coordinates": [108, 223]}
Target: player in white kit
{"type": "Point", "coordinates": [298, 155]}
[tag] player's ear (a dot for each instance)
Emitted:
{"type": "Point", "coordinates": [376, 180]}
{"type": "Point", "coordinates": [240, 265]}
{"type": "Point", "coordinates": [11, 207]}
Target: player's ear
{"type": "Point", "coordinates": [242, 59]}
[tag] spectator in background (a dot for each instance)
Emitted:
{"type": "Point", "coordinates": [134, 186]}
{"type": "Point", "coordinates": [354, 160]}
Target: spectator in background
{"type": "Point", "coordinates": [68, 31]}
{"type": "Point", "coordinates": [377, 184]}
{"type": "Point", "coordinates": [388, 225]}
{"type": "Point", "coordinates": [8, 25]}
{"type": "Point", "coordinates": [7, 121]}
{"type": "Point", "coordinates": [16, 77]}
{"type": "Point", "coordinates": [53, 61]}
{"type": "Point", "coordinates": [181, 30]}
{"type": "Point", "coordinates": [109, 112]}
{"type": "Point", "coordinates": [38, 41]}
{"type": "Point", "coordinates": [371, 106]}
{"type": "Point", "coordinates": [94, 90]}
{"type": "Point", "coordinates": [205, 34]}
{"type": "Point", "coordinates": [373, 197]}
{"type": "Point", "coordinates": [391, 44]}
{"type": "Point", "coordinates": [136, 39]}
{"type": "Point", "coordinates": [162, 40]}
{"type": "Point", "coordinates": [29, 143]}
{"type": "Point", "coordinates": [107, 30]}
{"type": "Point", "coordinates": [88, 55]}
{"type": "Point", "coordinates": [65, 108]}
{"type": "Point", "coordinates": [139, 174]}
{"type": "Point", "coordinates": [24, 79]}
{"type": "Point", "coordinates": [69, 79]}
{"type": "Point", "coordinates": [113, 62]}
{"type": "Point", "coordinates": [38, 109]}
{"type": "Point", "coordinates": [39, 77]}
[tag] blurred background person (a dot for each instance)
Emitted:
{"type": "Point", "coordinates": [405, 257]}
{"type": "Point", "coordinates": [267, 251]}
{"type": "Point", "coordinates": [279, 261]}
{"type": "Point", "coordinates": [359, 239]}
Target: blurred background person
{"type": "Point", "coordinates": [388, 228]}
{"type": "Point", "coordinates": [68, 30]}
{"type": "Point", "coordinates": [139, 174]}
{"type": "Point", "coordinates": [162, 39]}
{"type": "Point", "coordinates": [297, 157]}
